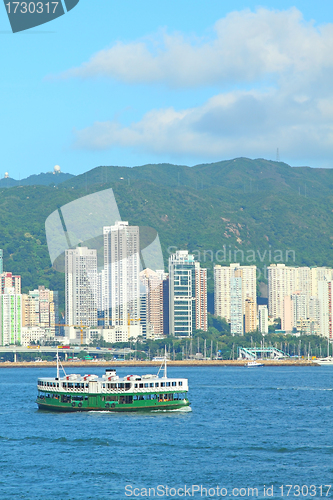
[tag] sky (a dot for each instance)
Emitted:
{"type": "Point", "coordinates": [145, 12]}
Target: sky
{"type": "Point", "coordinates": [186, 82]}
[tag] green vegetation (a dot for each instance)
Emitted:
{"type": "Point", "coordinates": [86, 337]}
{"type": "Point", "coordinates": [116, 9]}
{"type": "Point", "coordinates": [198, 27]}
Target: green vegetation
{"type": "Point", "coordinates": [250, 211]}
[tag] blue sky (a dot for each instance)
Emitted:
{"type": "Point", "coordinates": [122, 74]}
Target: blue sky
{"type": "Point", "coordinates": [186, 82]}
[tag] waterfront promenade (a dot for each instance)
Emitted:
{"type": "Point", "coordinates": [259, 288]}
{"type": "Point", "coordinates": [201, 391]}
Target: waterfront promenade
{"type": "Point", "coordinates": [118, 363]}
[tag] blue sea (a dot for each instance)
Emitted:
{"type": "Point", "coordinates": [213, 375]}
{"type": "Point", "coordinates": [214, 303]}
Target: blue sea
{"type": "Point", "coordinates": [251, 432]}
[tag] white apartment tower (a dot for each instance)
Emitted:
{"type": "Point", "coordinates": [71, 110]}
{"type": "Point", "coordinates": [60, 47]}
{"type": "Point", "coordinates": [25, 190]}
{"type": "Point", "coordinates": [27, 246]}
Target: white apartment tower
{"type": "Point", "coordinates": [282, 282]}
{"type": "Point", "coordinates": [298, 293]}
{"type": "Point", "coordinates": [122, 274]}
{"type": "Point", "coordinates": [222, 287]}
{"type": "Point", "coordinates": [325, 296]}
{"type": "Point", "coordinates": [81, 286]}
{"type": "Point", "coordinates": [236, 307]}
{"type": "Point", "coordinates": [263, 319]}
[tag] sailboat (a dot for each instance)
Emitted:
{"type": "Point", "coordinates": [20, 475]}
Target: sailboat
{"type": "Point", "coordinates": [325, 361]}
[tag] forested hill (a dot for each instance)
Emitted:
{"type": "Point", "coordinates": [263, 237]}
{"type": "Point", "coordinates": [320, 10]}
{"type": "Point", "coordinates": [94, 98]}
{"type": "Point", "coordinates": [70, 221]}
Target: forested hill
{"type": "Point", "coordinates": [250, 211]}
{"type": "Point", "coordinates": [43, 179]}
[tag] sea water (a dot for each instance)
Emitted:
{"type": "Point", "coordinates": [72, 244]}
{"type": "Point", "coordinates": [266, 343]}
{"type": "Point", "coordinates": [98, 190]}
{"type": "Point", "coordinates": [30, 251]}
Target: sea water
{"type": "Point", "coordinates": [252, 433]}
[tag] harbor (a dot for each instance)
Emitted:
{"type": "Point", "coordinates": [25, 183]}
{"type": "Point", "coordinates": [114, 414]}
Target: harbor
{"type": "Point", "coordinates": [190, 363]}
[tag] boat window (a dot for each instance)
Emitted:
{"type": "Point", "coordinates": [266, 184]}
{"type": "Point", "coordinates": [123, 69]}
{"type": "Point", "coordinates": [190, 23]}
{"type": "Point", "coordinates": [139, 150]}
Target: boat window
{"type": "Point", "coordinates": [103, 387]}
{"type": "Point", "coordinates": [151, 385]}
{"type": "Point", "coordinates": [127, 387]}
{"type": "Point", "coordinates": [162, 384]}
{"type": "Point", "coordinates": [113, 386]}
{"type": "Point", "coordinates": [146, 385]}
{"type": "Point", "coordinates": [128, 399]}
{"type": "Point", "coordinates": [180, 382]}
{"type": "Point", "coordinates": [57, 384]}
{"type": "Point", "coordinates": [87, 385]}
{"type": "Point", "coordinates": [103, 398]}
{"type": "Point", "coordinates": [70, 385]}
{"type": "Point", "coordinates": [112, 397]}
{"type": "Point", "coordinates": [168, 384]}
{"type": "Point", "coordinates": [65, 398]}
{"type": "Point", "coordinates": [140, 386]}
{"type": "Point", "coordinates": [121, 386]}
{"type": "Point", "coordinates": [77, 398]}
{"type": "Point", "coordinates": [157, 384]}
{"type": "Point", "coordinates": [64, 385]}
{"type": "Point", "coordinates": [174, 383]}
{"type": "Point", "coordinates": [136, 386]}
{"type": "Point", "coordinates": [135, 398]}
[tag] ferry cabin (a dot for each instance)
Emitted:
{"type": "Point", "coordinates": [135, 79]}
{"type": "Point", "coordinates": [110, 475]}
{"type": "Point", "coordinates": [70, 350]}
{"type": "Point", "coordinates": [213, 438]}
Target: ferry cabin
{"type": "Point", "coordinates": [89, 392]}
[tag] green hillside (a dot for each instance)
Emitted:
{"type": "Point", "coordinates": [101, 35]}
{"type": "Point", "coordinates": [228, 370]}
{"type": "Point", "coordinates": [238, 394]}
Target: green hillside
{"type": "Point", "coordinates": [264, 211]}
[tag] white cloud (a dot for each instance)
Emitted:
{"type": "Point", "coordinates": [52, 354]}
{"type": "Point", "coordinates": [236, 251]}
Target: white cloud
{"type": "Point", "coordinates": [288, 63]}
{"type": "Point", "coordinates": [247, 46]}
{"type": "Point", "coordinates": [234, 124]}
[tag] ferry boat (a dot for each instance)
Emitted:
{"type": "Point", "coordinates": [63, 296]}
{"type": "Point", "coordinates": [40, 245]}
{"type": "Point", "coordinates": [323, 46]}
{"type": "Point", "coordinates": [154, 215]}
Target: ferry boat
{"type": "Point", "coordinates": [76, 392]}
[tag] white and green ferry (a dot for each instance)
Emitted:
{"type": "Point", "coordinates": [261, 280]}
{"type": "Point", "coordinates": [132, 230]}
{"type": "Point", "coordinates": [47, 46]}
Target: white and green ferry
{"type": "Point", "coordinates": [76, 392]}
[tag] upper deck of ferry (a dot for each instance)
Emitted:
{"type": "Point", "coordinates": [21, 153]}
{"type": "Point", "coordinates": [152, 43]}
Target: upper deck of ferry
{"type": "Point", "coordinates": [110, 382]}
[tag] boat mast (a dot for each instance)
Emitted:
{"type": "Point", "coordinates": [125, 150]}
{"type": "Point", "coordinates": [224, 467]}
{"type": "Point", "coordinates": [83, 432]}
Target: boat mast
{"type": "Point", "coordinates": [57, 363]}
{"type": "Point", "coordinates": [165, 362]}
{"type": "Point", "coordinates": [328, 346]}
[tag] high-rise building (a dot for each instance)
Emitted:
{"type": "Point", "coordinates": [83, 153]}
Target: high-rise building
{"type": "Point", "coordinates": [187, 294]}
{"type": "Point", "coordinates": [9, 280]}
{"type": "Point", "coordinates": [287, 316]}
{"type": "Point", "coordinates": [81, 286]}
{"type": "Point", "coordinates": [300, 301]}
{"type": "Point", "coordinates": [325, 297]}
{"type": "Point", "coordinates": [153, 285]}
{"type": "Point", "coordinates": [10, 317]}
{"type": "Point", "coordinates": [319, 274]}
{"type": "Point", "coordinates": [40, 309]}
{"type": "Point", "coordinates": [236, 306]}
{"type": "Point", "coordinates": [222, 291]}
{"type": "Point", "coordinates": [314, 309]}
{"type": "Point", "coordinates": [250, 315]}
{"type": "Point", "coordinates": [284, 281]}
{"type": "Point", "coordinates": [181, 293]}
{"type": "Point", "coordinates": [201, 321]}
{"type": "Point", "coordinates": [263, 319]}
{"type": "Point", "coordinates": [122, 275]}
{"type": "Point", "coordinates": [165, 284]}
{"type": "Point", "coordinates": [222, 287]}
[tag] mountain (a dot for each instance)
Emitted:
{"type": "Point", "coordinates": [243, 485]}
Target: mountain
{"type": "Point", "coordinates": [249, 211]}
{"type": "Point", "coordinates": [43, 179]}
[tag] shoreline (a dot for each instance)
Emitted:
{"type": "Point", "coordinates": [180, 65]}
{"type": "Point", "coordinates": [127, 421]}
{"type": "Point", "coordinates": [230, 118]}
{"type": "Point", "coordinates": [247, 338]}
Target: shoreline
{"type": "Point", "coordinates": [200, 363]}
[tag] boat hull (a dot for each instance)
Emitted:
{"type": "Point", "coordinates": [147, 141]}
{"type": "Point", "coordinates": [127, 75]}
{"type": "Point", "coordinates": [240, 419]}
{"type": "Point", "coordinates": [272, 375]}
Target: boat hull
{"type": "Point", "coordinates": [113, 407]}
